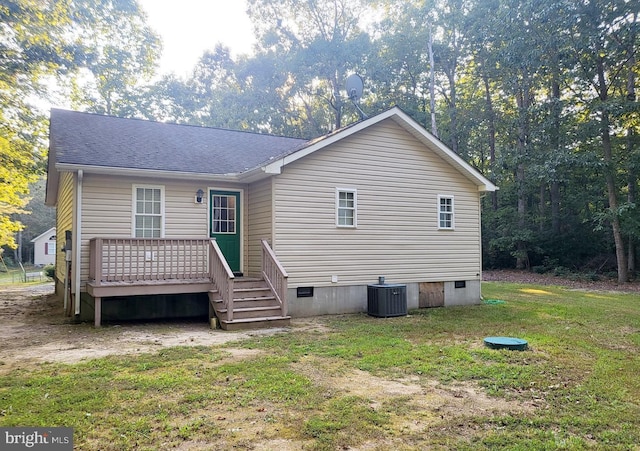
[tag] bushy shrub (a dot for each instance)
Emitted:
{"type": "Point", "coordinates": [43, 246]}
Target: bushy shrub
{"type": "Point", "coordinates": [548, 265]}
{"type": "Point", "coordinates": [50, 271]}
{"type": "Point", "coordinates": [561, 271]}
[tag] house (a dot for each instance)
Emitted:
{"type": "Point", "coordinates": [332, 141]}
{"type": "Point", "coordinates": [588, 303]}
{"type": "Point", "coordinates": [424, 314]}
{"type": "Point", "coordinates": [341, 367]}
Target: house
{"type": "Point", "coordinates": [44, 248]}
{"type": "Point", "coordinates": [168, 220]}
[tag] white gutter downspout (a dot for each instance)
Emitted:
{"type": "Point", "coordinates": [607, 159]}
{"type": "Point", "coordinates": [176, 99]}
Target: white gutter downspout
{"type": "Point", "coordinates": [77, 241]}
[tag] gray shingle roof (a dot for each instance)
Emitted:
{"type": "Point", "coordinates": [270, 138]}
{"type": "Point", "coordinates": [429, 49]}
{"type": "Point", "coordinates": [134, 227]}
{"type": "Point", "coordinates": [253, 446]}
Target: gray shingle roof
{"type": "Point", "coordinates": [90, 139]}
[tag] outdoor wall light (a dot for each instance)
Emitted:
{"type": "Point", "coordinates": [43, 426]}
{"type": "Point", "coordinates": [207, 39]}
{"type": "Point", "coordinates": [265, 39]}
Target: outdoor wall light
{"type": "Point", "coordinates": [199, 196]}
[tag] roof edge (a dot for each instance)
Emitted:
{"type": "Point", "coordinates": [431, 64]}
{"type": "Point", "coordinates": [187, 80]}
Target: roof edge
{"type": "Point", "coordinates": [405, 121]}
{"type": "Point", "coordinates": [111, 170]}
{"type": "Point", "coordinates": [46, 232]}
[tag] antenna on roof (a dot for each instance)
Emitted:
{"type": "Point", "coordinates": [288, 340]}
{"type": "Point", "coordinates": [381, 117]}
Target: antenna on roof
{"type": "Point", "coordinates": [354, 87]}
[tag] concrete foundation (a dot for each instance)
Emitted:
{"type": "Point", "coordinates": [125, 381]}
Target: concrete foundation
{"type": "Point", "coordinates": [468, 295]}
{"type": "Point", "coordinates": [331, 300]}
{"type": "Point", "coordinates": [353, 298]}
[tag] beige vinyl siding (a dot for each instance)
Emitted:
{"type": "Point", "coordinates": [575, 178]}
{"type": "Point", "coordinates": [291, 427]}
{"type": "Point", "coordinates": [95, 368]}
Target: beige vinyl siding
{"type": "Point", "coordinates": [259, 206]}
{"type": "Point", "coordinates": [107, 207]}
{"type": "Point", "coordinates": [397, 181]}
{"type": "Point", "coordinates": [64, 219]}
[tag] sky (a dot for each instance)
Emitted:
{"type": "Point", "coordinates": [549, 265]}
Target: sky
{"type": "Point", "coordinates": [189, 27]}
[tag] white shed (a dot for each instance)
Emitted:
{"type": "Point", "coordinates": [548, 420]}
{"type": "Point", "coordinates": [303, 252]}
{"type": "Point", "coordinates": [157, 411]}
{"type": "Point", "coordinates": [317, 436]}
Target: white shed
{"type": "Point", "coordinates": [44, 248]}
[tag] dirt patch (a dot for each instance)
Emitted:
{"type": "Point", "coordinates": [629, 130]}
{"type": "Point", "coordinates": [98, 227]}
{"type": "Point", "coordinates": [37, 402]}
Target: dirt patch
{"type": "Point", "coordinates": [414, 404]}
{"type": "Point", "coordinates": [459, 397]}
{"type": "Point", "coordinates": [35, 330]}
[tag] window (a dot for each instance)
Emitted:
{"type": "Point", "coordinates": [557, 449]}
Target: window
{"type": "Point", "coordinates": [445, 212]}
{"type": "Point", "coordinates": [50, 248]}
{"type": "Point", "coordinates": [223, 213]}
{"type": "Point", "coordinates": [346, 202]}
{"type": "Point", "coordinates": [148, 211]}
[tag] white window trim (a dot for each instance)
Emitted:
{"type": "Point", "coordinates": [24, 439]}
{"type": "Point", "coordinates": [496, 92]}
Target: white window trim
{"type": "Point", "coordinates": [355, 207]}
{"type": "Point", "coordinates": [453, 212]}
{"type": "Point", "coordinates": [134, 189]}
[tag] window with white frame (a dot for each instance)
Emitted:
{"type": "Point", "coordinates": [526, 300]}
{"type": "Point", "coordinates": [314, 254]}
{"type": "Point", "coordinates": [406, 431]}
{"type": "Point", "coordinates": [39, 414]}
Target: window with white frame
{"type": "Point", "coordinates": [148, 204]}
{"type": "Point", "coordinates": [445, 212]}
{"type": "Point", "coordinates": [346, 207]}
{"type": "Point", "coordinates": [50, 248]}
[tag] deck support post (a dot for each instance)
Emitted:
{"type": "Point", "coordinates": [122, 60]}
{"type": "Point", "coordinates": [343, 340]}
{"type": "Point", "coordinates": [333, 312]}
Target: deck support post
{"type": "Point", "coordinates": [98, 311]}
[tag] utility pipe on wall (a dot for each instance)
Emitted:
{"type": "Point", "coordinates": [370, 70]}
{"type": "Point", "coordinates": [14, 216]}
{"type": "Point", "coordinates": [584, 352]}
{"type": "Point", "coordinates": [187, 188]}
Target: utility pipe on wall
{"type": "Point", "coordinates": [77, 240]}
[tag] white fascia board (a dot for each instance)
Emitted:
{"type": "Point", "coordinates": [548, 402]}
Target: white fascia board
{"type": "Point", "coordinates": [255, 175]}
{"type": "Point", "coordinates": [440, 148]}
{"type": "Point", "coordinates": [107, 170]}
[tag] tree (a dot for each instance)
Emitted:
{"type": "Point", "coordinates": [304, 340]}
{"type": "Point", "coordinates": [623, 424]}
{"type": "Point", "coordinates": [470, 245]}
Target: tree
{"type": "Point", "coordinates": [32, 46]}
{"type": "Point", "coordinates": [317, 43]}
{"type": "Point", "coordinates": [45, 40]}
{"type": "Point", "coordinates": [117, 52]}
{"type": "Point", "coordinates": [606, 36]}
{"type": "Point", "coordinates": [402, 73]}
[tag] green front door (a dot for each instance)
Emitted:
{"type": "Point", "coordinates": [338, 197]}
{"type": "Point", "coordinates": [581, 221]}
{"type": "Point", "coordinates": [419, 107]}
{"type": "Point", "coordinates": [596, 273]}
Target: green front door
{"type": "Point", "coordinates": [224, 211]}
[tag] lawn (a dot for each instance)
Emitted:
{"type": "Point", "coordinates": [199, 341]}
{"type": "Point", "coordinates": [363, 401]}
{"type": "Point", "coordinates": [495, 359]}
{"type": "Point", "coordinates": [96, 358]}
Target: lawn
{"type": "Point", "coordinates": [13, 276]}
{"type": "Point", "coordinates": [355, 382]}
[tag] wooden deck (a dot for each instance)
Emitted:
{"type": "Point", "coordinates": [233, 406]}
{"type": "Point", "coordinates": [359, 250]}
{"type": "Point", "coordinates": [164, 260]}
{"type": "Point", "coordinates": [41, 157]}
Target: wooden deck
{"type": "Point", "coordinates": [151, 266]}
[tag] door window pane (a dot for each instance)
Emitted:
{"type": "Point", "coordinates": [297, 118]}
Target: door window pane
{"type": "Point", "coordinates": [223, 213]}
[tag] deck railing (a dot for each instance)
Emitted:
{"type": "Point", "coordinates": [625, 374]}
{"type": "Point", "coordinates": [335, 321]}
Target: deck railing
{"type": "Point", "coordinates": [135, 260]}
{"type": "Point", "coordinates": [148, 259]}
{"type": "Point", "coordinates": [275, 275]}
{"type": "Point", "coordinates": [222, 277]}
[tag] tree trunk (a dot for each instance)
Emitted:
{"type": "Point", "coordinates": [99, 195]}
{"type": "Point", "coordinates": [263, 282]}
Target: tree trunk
{"type": "Point", "coordinates": [612, 192]}
{"type": "Point", "coordinates": [432, 86]}
{"type": "Point", "coordinates": [554, 192]}
{"type": "Point", "coordinates": [632, 176]}
{"type": "Point", "coordinates": [522, 100]}
{"type": "Point", "coordinates": [621, 257]}
{"type": "Point", "coordinates": [453, 98]}
{"type": "Point", "coordinates": [491, 115]}
{"type": "Point", "coordinates": [337, 106]}
{"type": "Point", "coordinates": [453, 112]}
{"type": "Point", "coordinates": [542, 206]}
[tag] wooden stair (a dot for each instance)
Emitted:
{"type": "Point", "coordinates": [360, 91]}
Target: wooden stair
{"type": "Point", "coordinates": [254, 306]}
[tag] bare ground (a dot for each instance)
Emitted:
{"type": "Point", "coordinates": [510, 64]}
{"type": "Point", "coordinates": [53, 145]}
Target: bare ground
{"type": "Point", "coordinates": [34, 330]}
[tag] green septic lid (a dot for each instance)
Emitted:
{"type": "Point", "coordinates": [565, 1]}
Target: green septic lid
{"type": "Point", "coordinates": [514, 344]}
{"type": "Point", "coordinates": [493, 301]}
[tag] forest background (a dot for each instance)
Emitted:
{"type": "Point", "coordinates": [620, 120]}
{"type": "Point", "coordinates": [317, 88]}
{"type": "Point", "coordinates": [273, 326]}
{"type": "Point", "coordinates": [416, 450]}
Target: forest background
{"type": "Point", "coordinates": [537, 95]}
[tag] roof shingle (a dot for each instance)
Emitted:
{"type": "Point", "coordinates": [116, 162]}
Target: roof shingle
{"type": "Point", "coordinates": [91, 139]}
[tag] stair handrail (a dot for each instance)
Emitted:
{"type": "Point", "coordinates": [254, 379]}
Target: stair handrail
{"type": "Point", "coordinates": [221, 276]}
{"type": "Point", "coordinates": [275, 275]}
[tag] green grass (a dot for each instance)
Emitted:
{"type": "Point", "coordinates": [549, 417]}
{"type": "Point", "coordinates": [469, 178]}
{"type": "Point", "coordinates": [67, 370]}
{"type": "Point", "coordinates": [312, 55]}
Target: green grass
{"type": "Point", "coordinates": [577, 387]}
{"type": "Point", "coordinates": [15, 276]}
